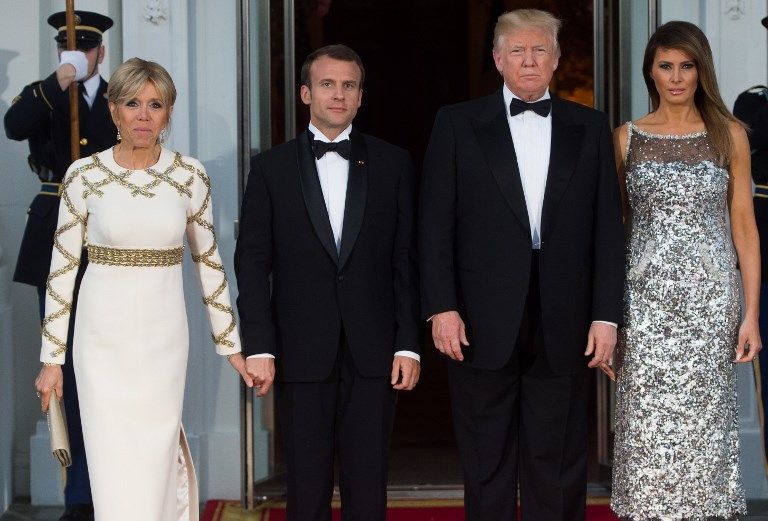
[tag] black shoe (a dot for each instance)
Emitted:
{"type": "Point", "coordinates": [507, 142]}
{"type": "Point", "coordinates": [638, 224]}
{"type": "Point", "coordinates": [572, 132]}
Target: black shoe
{"type": "Point", "coordinates": [78, 513]}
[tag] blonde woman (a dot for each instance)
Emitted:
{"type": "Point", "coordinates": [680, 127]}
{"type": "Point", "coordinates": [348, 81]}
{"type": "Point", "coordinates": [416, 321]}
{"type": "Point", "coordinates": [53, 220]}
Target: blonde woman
{"type": "Point", "coordinates": [132, 205]}
{"type": "Point", "coordinates": [684, 171]}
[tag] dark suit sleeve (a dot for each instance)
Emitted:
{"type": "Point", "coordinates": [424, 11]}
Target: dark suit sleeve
{"type": "Point", "coordinates": [29, 114]}
{"type": "Point", "coordinates": [404, 263]}
{"type": "Point", "coordinates": [437, 223]}
{"type": "Point", "coordinates": [253, 265]}
{"type": "Point", "coordinates": [608, 279]}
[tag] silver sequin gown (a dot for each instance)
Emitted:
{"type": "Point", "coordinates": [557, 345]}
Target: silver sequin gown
{"type": "Point", "coordinates": [677, 446]}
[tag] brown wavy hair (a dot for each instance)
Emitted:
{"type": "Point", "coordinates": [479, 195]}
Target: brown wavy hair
{"type": "Point", "coordinates": [689, 39]}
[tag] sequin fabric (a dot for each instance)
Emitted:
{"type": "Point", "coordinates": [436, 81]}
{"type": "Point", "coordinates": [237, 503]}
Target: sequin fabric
{"type": "Point", "coordinates": [676, 446]}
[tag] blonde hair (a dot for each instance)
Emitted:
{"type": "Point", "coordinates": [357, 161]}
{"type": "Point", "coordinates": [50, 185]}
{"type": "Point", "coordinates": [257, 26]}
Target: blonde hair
{"type": "Point", "coordinates": [131, 76]}
{"type": "Point", "coordinates": [526, 18]}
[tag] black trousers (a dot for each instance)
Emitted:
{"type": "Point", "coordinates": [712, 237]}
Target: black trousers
{"type": "Point", "coordinates": [346, 416]}
{"type": "Point", "coordinates": [522, 425]}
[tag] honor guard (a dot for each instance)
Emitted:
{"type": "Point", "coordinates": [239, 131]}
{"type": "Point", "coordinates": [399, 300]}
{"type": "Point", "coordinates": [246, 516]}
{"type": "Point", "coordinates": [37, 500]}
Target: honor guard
{"type": "Point", "coordinates": [751, 107]}
{"type": "Point", "coordinates": [40, 115]}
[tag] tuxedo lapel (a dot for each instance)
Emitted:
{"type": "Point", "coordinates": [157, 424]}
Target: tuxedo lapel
{"type": "Point", "coordinates": [564, 154]}
{"type": "Point", "coordinates": [496, 142]}
{"type": "Point", "coordinates": [313, 196]}
{"type": "Point", "coordinates": [357, 192]}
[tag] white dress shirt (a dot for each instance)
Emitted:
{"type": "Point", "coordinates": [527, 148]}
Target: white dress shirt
{"type": "Point", "coordinates": [333, 173]}
{"type": "Point", "coordinates": [532, 137]}
{"type": "Point", "coordinates": [91, 87]}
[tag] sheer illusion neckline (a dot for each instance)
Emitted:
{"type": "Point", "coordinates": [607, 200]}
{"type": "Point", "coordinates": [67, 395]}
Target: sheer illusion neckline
{"type": "Point", "coordinates": [645, 133]}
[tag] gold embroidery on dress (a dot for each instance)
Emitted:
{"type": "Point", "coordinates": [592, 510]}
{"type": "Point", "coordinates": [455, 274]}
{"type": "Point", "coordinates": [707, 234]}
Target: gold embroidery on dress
{"type": "Point", "coordinates": [122, 178]}
{"type": "Point", "coordinates": [205, 257]}
{"type": "Point", "coordinates": [135, 257]}
{"type": "Point", "coordinates": [73, 262]}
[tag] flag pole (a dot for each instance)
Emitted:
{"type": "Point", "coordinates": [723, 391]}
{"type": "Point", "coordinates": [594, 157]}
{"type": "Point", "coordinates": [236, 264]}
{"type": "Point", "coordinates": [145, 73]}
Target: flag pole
{"type": "Point", "coordinates": [74, 102]}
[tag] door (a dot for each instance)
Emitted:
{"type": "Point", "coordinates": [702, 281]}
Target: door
{"type": "Point", "coordinates": [420, 55]}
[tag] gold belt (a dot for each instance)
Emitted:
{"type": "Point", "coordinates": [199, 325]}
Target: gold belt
{"type": "Point", "coordinates": [131, 257]}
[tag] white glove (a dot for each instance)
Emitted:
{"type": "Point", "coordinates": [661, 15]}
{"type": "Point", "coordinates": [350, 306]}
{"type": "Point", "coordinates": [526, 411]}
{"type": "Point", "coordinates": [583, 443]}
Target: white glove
{"type": "Point", "coordinates": [78, 60]}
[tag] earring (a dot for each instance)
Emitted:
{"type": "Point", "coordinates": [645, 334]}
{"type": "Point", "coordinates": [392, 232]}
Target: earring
{"type": "Point", "coordinates": [119, 137]}
{"type": "Point", "coordinates": [163, 135]}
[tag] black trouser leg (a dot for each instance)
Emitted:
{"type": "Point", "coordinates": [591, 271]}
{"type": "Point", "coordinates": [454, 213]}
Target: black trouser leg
{"type": "Point", "coordinates": [486, 424]}
{"type": "Point", "coordinates": [306, 412]}
{"type": "Point", "coordinates": [522, 421]}
{"type": "Point", "coordinates": [348, 413]}
{"type": "Point", "coordinates": [364, 419]}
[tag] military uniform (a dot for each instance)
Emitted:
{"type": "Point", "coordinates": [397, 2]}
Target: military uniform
{"type": "Point", "coordinates": [752, 108]}
{"type": "Point", "coordinates": [40, 115]}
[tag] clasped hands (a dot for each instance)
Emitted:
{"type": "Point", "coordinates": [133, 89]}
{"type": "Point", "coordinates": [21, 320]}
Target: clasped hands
{"type": "Point", "coordinates": [449, 334]}
{"type": "Point", "coordinates": [259, 372]}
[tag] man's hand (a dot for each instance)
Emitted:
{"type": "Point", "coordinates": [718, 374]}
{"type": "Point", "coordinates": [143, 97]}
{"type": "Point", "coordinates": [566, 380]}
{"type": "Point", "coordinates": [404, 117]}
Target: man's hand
{"type": "Point", "coordinates": [262, 370]}
{"type": "Point", "coordinates": [409, 368]}
{"type": "Point", "coordinates": [601, 340]}
{"type": "Point", "coordinates": [73, 67]}
{"type": "Point", "coordinates": [449, 334]}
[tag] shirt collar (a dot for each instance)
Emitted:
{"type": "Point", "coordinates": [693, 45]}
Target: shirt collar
{"type": "Point", "coordinates": [321, 137]}
{"type": "Point", "coordinates": [92, 85]}
{"type": "Point", "coordinates": [508, 95]}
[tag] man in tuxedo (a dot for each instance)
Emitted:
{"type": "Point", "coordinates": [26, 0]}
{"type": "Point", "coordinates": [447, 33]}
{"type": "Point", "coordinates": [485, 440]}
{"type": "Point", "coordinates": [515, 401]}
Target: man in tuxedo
{"type": "Point", "coordinates": [40, 115]}
{"type": "Point", "coordinates": [330, 216]}
{"type": "Point", "coordinates": [521, 253]}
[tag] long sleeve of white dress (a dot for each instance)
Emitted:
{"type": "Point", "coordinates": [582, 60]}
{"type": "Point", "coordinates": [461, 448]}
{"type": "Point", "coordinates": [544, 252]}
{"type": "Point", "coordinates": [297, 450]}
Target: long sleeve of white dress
{"type": "Point", "coordinates": [210, 270]}
{"type": "Point", "coordinates": [65, 259]}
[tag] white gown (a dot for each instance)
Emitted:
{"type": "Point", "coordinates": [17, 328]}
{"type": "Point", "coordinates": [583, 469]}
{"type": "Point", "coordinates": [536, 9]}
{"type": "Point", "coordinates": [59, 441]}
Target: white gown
{"type": "Point", "coordinates": [131, 336]}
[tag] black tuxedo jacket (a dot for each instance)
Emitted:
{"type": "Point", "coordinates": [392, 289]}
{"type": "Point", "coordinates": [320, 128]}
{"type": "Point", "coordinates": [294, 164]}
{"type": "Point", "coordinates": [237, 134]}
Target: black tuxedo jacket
{"type": "Point", "coordinates": [369, 287]}
{"type": "Point", "coordinates": [40, 114]}
{"type": "Point", "coordinates": [475, 240]}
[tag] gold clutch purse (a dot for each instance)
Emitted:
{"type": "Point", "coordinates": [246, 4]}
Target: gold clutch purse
{"type": "Point", "coordinates": [57, 425]}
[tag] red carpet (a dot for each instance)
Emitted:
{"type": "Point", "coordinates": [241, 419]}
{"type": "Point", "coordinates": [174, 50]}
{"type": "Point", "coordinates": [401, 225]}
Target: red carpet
{"type": "Point", "coordinates": [399, 510]}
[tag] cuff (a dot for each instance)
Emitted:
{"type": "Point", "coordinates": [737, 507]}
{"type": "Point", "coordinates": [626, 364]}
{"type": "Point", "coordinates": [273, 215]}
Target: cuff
{"type": "Point", "coordinates": [614, 324]}
{"type": "Point", "coordinates": [409, 354]}
{"type": "Point", "coordinates": [260, 355]}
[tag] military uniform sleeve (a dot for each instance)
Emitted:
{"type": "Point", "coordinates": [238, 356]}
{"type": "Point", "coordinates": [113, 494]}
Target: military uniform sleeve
{"type": "Point", "coordinates": [29, 113]}
{"type": "Point", "coordinates": [67, 246]}
{"type": "Point", "coordinates": [210, 270]}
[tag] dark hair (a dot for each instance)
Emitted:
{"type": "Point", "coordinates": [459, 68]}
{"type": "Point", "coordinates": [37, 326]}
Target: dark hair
{"type": "Point", "coordinates": [689, 39]}
{"type": "Point", "coordinates": [337, 52]}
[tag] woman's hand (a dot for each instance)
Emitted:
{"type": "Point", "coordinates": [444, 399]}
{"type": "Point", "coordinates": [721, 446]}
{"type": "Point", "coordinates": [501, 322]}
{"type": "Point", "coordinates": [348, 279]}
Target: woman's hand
{"type": "Point", "coordinates": [749, 341]}
{"type": "Point", "coordinates": [49, 379]}
{"type": "Point", "coordinates": [238, 362]}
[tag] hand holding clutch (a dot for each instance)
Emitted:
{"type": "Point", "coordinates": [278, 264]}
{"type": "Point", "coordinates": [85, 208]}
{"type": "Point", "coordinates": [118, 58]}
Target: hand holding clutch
{"type": "Point", "coordinates": [57, 425]}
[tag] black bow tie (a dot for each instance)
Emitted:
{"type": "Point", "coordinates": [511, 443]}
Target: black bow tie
{"type": "Point", "coordinates": [343, 148]}
{"type": "Point", "coordinates": [541, 107]}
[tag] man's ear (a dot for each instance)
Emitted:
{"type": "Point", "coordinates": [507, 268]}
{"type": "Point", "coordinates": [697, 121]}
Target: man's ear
{"type": "Point", "coordinates": [306, 95]}
{"type": "Point", "coordinates": [102, 53]}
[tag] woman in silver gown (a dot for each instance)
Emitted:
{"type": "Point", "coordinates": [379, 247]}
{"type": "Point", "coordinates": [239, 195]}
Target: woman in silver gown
{"type": "Point", "coordinates": [684, 171]}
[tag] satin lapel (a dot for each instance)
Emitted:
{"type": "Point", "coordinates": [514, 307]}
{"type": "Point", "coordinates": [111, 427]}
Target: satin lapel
{"type": "Point", "coordinates": [496, 142]}
{"type": "Point", "coordinates": [313, 196]}
{"type": "Point", "coordinates": [564, 154]}
{"type": "Point", "coordinates": [357, 192]}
